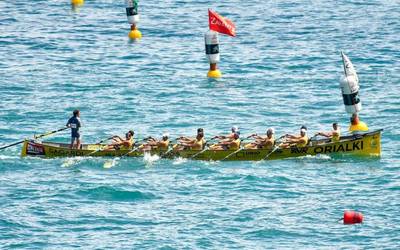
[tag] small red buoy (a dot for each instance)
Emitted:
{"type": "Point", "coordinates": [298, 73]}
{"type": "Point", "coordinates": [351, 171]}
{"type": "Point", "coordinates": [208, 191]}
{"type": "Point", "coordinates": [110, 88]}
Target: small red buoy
{"type": "Point", "coordinates": [352, 217]}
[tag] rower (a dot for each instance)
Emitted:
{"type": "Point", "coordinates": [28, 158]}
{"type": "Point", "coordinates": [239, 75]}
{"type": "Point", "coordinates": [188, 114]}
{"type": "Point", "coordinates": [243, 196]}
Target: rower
{"type": "Point", "coordinates": [228, 143]}
{"type": "Point", "coordinates": [234, 130]}
{"type": "Point", "coordinates": [120, 143]}
{"type": "Point", "coordinates": [296, 140]}
{"type": "Point", "coordinates": [334, 134]}
{"type": "Point", "coordinates": [357, 125]}
{"type": "Point", "coordinates": [186, 143]}
{"type": "Point", "coordinates": [156, 144]}
{"type": "Point", "coordinates": [75, 123]}
{"type": "Point", "coordinates": [188, 139]}
{"type": "Point", "coordinates": [262, 142]}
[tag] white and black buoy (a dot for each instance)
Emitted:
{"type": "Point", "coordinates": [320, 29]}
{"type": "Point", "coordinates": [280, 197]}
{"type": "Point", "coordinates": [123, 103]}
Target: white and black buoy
{"type": "Point", "coordinates": [133, 19]}
{"type": "Point", "coordinates": [212, 52]}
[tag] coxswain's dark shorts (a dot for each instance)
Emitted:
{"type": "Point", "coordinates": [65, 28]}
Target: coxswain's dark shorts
{"type": "Point", "coordinates": [76, 135]}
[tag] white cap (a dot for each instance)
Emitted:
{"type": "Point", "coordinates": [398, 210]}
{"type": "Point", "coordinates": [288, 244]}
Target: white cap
{"type": "Point", "coordinates": [235, 128]}
{"type": "Point", "coordinates": [303, 130]}
{"type": "Point", "coordinates": [271, 130]}
{"type": "Point", "coordinates": [165, 135]}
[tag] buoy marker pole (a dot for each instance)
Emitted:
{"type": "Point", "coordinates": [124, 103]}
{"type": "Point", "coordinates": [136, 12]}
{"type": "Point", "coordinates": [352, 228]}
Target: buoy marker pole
{"type": "Point", "coordinates": [212, 53]}
{"type": "Point", "coordinates": [217, 24]}
{"type": "Point", "coordinates": [132, 15]}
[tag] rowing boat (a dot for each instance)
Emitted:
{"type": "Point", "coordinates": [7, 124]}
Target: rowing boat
{"type": "Point", "coordinates": [362, 144]}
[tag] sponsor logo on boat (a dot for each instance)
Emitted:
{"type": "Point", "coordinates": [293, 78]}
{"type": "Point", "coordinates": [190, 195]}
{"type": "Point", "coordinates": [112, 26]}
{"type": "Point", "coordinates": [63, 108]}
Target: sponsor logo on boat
{"type": "Point", "coordinates": [34, 149]}
{"type": "Point", "coordinates": [349, 146]}
{"type": "Point", "coordinates": [243, 153]}
{"type": "Point", "coordinates": [62, 152]}
{"type": "Point", "coordinates": [295, 150]}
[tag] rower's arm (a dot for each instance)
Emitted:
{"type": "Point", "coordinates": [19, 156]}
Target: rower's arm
{"type": "Point", "coordinates": [226, 142]}
{"type": "Point", "coordinates": [325, 134]}
{"type": "Point", "coordinates": [290, 136]}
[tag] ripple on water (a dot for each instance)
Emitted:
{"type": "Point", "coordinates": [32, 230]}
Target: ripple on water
{"type": "Point", "coordinates": [105, 193]}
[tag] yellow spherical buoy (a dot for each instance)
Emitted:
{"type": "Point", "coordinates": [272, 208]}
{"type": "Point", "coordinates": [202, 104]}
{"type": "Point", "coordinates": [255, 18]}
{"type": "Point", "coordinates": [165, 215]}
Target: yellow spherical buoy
{"type": "Point", "coordinates": [77, 2]}
{"type": "Point", "coordinates": [214, 73]}
{"type": "Point", "coordinates": [135, 34]}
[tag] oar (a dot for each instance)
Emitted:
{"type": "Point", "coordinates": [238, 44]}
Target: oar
{"type": "Point", "coordinates": [275, 148]}
{"type": "Point", "coordinates": [237, 151]}
{"type": "Point", "coordinates": [135, 148]}
{"type": "Point", "coordinates": [169, 150]}
{"type": "Point", "coordinates": [204, 150]}
{"type": "Point", "coordinates": [100, 149]}
{"type": "Point", "coordinates": [36, 137]}
{"type": "Point", "coordinates": [110, 163]}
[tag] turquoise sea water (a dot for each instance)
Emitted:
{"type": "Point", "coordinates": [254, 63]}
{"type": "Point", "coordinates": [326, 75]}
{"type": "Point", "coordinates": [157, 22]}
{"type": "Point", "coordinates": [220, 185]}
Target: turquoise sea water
{"type": "Point", "coordinates": [281, 70]}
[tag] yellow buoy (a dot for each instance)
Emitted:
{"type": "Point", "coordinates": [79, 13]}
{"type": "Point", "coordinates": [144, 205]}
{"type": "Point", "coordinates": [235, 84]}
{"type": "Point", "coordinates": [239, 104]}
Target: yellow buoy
{"type": "Point", "coordinates": [135, 34]}
{"type": "Point", "coordinates": [77, 2]}
{"type": "Point", "coordinates": [214, 73]}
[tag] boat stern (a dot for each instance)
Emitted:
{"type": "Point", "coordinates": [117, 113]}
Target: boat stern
{"type": "Point", "coordinates": [24, 149]}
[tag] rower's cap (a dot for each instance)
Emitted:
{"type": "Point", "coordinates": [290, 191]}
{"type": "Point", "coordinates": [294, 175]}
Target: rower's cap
{"type": "Point", "coordinates": [131, 132]}
{"type": "Point", "coordinates": [303, 130]}
{"type": "Point", "coordinates": [271, 130]}
{"type": "Point", "coordinates": [165, 135]}
{"type": "Point", "coordinates": [303, 127]}
{"type": "Point", "coordinates": [235, 128]}
{"type": "Point", "coordinates": [200, 130]}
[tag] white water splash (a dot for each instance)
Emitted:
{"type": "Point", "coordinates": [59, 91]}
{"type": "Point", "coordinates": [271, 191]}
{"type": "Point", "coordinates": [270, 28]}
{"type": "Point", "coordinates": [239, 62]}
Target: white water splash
{"type": "Point", "coordinates": [150, 159]}
{"type": "Point", "coordinates": [179, 161]}
{"type": "Point", "coordinates": [69, 162]}
{"type": "Point", "coordinates": [5, 157]}
{"type": "Point", "coordinates": [110, 163]}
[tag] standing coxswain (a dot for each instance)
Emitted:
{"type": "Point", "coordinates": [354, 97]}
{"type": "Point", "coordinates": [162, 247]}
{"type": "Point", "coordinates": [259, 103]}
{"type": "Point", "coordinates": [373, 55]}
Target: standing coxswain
{"type": "Point", "coordinates": [75, 123]}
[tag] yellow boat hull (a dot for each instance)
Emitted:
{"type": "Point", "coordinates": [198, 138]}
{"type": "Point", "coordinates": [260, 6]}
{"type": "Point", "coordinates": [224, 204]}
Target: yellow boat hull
{"type": "Point", "coordinates": [366, 144]}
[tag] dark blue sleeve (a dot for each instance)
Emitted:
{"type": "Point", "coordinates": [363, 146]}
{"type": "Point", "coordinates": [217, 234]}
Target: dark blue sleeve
{"type": "Point", "coordinates": [69, 121]}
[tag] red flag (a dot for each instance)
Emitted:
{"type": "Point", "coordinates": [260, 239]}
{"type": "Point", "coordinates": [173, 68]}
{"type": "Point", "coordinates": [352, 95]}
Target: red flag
{"type": "Point", "coordinates": [221, 24]}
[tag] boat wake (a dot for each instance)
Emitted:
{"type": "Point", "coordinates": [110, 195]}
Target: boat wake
{"type": "Point", "coordinates": [318, 157]}
{"type": "Point", "coordinates": [69, 162]}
